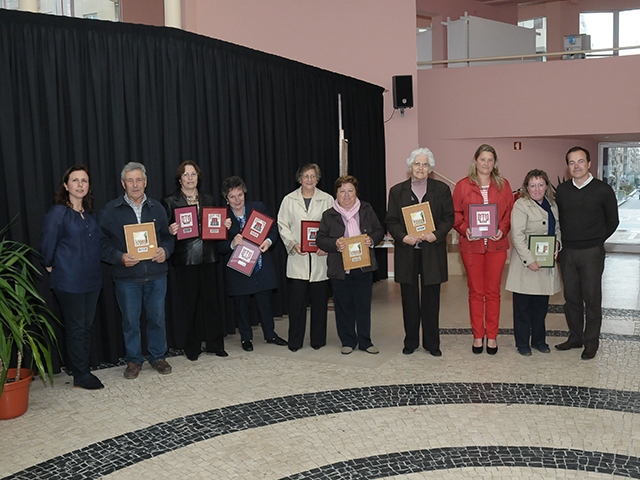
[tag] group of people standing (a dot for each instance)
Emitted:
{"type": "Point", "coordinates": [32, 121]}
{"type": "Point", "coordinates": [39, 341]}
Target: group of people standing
{"type": "Point", "coordinates": [585, 208]}
{"type": "Point", "coordinates": [74, 243]}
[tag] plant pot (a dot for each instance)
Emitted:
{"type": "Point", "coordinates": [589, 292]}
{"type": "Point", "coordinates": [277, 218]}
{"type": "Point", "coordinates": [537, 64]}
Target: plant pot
{"type": "Point", "coordinates": [15, 396]}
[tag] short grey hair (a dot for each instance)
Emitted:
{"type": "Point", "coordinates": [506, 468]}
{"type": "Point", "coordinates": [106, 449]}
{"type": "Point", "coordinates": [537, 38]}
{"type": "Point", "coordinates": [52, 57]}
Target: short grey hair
{"type": "Point", "coordinates": [421, 151]}
{"type": "Point", "coordinates": [133, 166]}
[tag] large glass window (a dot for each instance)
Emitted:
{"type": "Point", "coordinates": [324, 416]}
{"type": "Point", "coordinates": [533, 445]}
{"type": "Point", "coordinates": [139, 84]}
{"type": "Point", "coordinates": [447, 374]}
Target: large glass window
{"type": "Point", "coordinates": [612, 29]}
{"type": "Point", "coordinates": [629, 31]}
{"type": "Point", "coordinates": [599, 26]}
{"type": "Point", "coordinates": [98, 9]}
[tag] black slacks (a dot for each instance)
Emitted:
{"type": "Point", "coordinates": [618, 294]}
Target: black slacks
{"type": "Point", "coordinates": [198, 288]}
{"type": "Point", "coordinates": [420, 306]}
{"type": "Point", "coordinates": [581, 272]}
{"type": "Point", "coordinates": [302, 293]}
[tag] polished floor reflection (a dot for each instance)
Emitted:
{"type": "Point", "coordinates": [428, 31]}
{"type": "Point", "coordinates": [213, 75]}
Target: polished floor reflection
{"type": "Point", "coordinates": [275, 414]}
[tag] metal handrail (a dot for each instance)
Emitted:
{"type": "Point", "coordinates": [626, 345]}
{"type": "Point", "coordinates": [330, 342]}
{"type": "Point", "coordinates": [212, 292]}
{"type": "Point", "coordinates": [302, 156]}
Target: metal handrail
{"type": "Point", "coordinates": [526, 56]}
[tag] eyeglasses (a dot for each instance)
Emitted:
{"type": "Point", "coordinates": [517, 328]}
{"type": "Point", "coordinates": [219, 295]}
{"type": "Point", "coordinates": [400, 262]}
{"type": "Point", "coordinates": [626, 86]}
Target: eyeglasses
{"type": "Point", "coordinates": [189, 175]}
{"type": "Point", "coordinates": [420, 165]}
{"type": "Point", "coordinates": [309, 177]}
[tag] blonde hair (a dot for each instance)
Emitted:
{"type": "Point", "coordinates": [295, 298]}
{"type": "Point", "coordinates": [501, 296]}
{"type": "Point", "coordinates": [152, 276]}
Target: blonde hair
{"type": "Point", "coordinates": [495, 173]}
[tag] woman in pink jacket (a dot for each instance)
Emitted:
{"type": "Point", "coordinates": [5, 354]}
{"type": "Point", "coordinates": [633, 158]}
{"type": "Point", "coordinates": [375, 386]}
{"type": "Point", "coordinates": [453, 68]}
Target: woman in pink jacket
{"type": "Point", "coordinates": [483, 258]}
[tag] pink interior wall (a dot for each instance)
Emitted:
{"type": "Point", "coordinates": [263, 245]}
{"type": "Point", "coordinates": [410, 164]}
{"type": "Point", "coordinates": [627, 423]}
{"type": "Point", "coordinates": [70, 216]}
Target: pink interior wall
{"type": "Point", "coordinates": [368, 40]}
{"type": "Point", "coordinates": [148, 12]}
{"type": "Point", "coordinates": [549, 107]}
{"type": "Point", "coordinates": [563, 17]}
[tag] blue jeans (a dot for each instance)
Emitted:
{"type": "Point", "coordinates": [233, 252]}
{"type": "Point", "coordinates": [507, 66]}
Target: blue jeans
{"type": "Point", "coordinates": [131, 297]}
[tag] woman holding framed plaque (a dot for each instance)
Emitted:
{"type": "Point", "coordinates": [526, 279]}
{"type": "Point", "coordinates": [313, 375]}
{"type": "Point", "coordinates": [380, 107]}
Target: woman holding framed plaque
{"type": "Point", "coordinates": [420, 257]}
{"type": "Point", "coordinates": [298, 222]}
{"type": "Point", "coordinates": [70, 249]}
{"type": "Point", "coordinates": [352, 288]}
{"type": "Point", "coordinates": [260, 280]}
{"type": "Point", "coordinates": [195, 263]}
{"type": "Point", "coordinates": [482, 202]}
{"type": "Point", "coordinates": [533, 275]}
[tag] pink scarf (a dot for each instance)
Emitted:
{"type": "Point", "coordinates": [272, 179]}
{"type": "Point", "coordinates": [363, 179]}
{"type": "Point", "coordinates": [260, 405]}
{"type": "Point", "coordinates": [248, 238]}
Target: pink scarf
{"type": "Point", "coordinates": [350, 218]}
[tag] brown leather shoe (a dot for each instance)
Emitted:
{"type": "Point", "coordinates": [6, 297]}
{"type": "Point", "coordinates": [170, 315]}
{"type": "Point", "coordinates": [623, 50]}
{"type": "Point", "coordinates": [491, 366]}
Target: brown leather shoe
{"type": "Point", "coordinates": [588, 353]}
{"type": "Point", "coordinates": [162, 367]}
{"type": "Point", "coordinates": [132, 370]}
{"type": "Point", "coordinates": [568, 345]}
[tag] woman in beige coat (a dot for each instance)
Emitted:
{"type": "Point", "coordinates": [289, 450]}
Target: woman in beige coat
{"type": "Point", "coordinates": [534, 213]}
{"type": "Point", "coordinates": [307, 271]}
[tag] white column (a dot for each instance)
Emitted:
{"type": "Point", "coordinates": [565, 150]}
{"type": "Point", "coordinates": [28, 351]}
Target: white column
{"type": "Point", "coordinates": [28, 5]}
{"type": "Point", "coordinates": [173, 13]}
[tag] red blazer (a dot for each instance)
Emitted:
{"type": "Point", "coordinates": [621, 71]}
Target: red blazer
{"type": "Point", "coordinates": [468, 193]}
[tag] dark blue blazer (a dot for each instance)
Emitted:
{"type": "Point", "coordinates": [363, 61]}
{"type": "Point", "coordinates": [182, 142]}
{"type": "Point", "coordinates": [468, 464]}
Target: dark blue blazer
{"type": "Point", "coordinates": [236, 282]}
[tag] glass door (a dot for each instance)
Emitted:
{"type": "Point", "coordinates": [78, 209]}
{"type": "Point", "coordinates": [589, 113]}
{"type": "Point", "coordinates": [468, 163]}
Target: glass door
{"type": "Point", "coordinates": [619, 166]}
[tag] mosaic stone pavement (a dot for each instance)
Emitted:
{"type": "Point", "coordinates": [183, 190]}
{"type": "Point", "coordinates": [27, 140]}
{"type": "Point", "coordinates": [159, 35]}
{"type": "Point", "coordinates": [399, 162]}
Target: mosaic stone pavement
{"type": "Point", "coordinates": [275, 414]}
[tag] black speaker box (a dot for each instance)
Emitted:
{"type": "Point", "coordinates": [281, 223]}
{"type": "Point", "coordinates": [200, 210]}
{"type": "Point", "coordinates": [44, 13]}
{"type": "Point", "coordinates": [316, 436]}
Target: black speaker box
{"type": "Point", "coordinates": [402, 91]}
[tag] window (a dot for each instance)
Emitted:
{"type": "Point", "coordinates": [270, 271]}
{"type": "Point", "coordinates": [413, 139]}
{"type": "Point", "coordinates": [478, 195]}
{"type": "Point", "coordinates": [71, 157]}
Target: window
{"type": "Point", "coordinates": [98, 9]}
{"type": "Point", "coordinates": [629, 34]}
{"type": "Point", "coordinates": [612, 29]}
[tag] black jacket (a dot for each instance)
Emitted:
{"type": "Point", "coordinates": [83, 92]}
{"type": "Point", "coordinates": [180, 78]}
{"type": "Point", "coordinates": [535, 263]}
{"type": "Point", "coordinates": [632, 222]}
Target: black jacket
{"type": "Point", "coordinates": [332, 228]}
{"type": "Point", "coordinates": [191, 251]}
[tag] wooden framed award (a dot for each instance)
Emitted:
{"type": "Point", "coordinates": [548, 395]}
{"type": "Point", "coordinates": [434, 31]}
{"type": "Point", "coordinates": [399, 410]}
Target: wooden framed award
{"type": "Point", "coordinates": [187, 220]}
{"type": "Point", "coordinates": [257, 227]}
{"type": "Point", "coordinates": [418, 219]}
{"type": "Point", "coordinates": [543, 248]}
{"type": "Point", "coordinates": [141, 240]}
{"type": "Point", "coordinates": [483, 220]}
{"type": "Point", "coordinates": [356, 255]}
{"type": "Point", "coordinates": [308, 237]}
{"type": "Point", "coordinates": [244, 258]}
{"type": "Point", "coordinates": [213, 219]}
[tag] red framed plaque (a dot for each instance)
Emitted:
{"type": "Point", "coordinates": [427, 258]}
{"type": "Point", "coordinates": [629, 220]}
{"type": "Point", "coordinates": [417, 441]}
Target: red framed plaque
{"type": "Point", "coordinates": [187, 220]}
{"type": "Point", "coordinates": [483, 220]}
{"type": "Point", "coordinates": [213, 219]}
{"type": "Point", "coordinates": [244, 258]}
{"type": "Point", "coordinates": [308, 238]}
{"type": "Point", "coordinates": [257, 227]}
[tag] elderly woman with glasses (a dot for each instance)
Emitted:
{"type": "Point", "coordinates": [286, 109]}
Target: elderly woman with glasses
{"type": "Point", "coordinates": [420, 262]}
{"type": "Point", "coordinates": [195, 263]}
{"type": "Point", "coordinates": [307, 271]}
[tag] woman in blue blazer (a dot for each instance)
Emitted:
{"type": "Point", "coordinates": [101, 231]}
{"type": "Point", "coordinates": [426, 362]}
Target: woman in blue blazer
{"type": "Point", "coordinates": [263, 278]}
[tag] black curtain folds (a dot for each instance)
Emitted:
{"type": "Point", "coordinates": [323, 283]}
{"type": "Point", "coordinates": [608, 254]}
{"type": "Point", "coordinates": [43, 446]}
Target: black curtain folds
{"type": "Point", "coordinates": [76, 91]}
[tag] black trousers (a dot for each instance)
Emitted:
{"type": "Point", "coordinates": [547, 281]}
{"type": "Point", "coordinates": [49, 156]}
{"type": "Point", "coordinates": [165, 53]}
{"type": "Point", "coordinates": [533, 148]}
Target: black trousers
{"type": "Point", "coordinates": [198, 288]}
{"type": "Point", "coordinates": [301, 293]}
{"type": "Point", "coordinates": [529, 314]}
{"type": "Point", "coordinates": [420, 308]}
{"type": "Point", "coordinates": [78, 311]}
{"type": "Point", "coordinates": [581, 272]}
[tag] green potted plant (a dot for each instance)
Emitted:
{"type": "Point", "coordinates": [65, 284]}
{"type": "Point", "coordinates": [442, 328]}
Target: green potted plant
{"type": "Point", "coordinates": [25, 326]}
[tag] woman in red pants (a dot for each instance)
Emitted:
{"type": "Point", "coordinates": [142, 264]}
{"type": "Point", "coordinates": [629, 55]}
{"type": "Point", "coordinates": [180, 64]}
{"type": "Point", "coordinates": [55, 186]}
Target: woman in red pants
{"type": "Point", "coordinates": [483, 258]}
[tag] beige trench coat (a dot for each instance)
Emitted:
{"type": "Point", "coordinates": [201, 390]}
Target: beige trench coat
{"type": "Point", "coordinates": [292, 212]}
{"type": "Point", "coordinates": [529, 218]}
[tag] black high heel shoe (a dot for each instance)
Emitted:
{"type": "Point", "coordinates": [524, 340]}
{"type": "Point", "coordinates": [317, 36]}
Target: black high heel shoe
{"type": "Point", "coordinates": [478, 350]}
{"type": "Point", "coordinates": [492, 350]}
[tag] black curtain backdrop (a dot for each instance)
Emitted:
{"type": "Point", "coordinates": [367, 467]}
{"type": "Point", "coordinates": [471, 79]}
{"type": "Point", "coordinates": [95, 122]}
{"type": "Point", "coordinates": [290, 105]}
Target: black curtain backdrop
{"type": "Point", "coordinates": [102, 94]}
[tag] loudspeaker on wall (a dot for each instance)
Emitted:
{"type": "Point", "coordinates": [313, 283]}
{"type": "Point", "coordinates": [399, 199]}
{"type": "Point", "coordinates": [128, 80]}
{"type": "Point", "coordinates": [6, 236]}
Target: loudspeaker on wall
{"type": "Point", "coordinates": [402, 91]}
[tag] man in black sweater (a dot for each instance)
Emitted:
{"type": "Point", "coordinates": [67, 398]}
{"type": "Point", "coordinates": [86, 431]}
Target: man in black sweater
{"type": "Point", "coordinates": [588, 216]}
